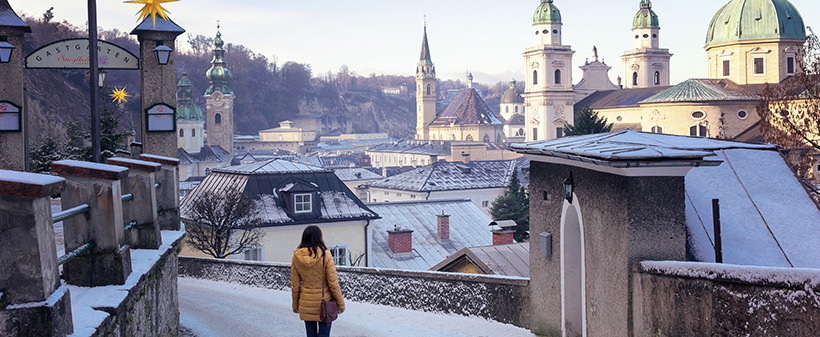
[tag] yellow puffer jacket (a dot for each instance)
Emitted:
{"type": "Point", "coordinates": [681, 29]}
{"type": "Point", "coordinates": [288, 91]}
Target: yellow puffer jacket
{"type": "Point", "coordinates": [306, 279]}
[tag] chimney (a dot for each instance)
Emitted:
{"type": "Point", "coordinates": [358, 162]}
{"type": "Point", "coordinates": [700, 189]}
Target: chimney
{"type": "Point", "coordinates": [433, 159]}
{"type": "Point", "coordinates": [505, 235]}
{"type": "Point", "coordinates": [443, 226]}
{"type": "Point", "coordinates": [400, 240]}
{"type": "Point", "coordinates": [465, 158]}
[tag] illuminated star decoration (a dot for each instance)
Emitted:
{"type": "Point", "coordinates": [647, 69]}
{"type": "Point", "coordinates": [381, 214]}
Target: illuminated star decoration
{"type": "Point", "coordinates": [152, 8]}
{"type": "Point", "coordinates": [119, 95]}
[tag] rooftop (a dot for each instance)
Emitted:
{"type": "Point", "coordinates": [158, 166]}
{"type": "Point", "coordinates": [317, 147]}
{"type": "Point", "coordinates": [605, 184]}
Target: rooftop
{"type": "Point", "coordinates": [449, 176]}
{"type": "Point", "coordinates": [466, 108]}
{"type": "Point", "coordinates": [703, 90]}
{"type": "Point", "coordinates": [618, 98]}
{"type": "Point", "coordinates": [355, 174]}
{"type": "Point", "coordinates": [468, 228]}
{"type": "Point", "coordinates": [438, 148]}
{"type": "Point", "coordinates": [508, 260]}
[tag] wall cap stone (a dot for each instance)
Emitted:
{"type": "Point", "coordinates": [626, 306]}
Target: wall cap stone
{"type": "Point", "coordinates": [134, 164]}
{"type": "Point", "coordinates": [30, 185]}
{"type": "Point", "coordinates": [160, 159]}
{"type": "Point", "coordinates": [89, 169]}
{"type": "Point", "coordinates": [722, 272]}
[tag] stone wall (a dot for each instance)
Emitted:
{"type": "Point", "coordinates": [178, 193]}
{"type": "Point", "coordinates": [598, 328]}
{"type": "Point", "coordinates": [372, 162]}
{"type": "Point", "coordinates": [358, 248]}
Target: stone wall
{"type": "Point", "coordinates": [503, 299]}
{"type": "Point", "coordinates": [707, 299]}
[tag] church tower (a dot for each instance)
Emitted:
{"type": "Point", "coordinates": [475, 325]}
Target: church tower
{"type": "Point", "coordinates": [219, 99]}
{"type": "Point", "coordinates": [190, 123]}
{"type": "Point", "coordinates": [426, 92]}
{"type": "Point", "coordinates": [549, 96]}
{"type": "Point", "coordinates": [646, 65]}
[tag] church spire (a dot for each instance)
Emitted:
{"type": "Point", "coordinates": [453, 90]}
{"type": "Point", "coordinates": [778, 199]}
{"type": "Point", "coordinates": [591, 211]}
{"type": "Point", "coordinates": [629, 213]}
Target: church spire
{"type": "Point", "coordinates": [219, 74]}
{"type": "Point", "coordinates": [425, 50]}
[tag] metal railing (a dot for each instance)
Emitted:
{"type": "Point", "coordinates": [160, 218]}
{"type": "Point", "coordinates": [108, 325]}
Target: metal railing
{"type": "Point", "coordinates": [70, 213]}
{"type": "Point", "coordinates": [127, 197]}
{"type": "Point", "coordinates": [74, 253]}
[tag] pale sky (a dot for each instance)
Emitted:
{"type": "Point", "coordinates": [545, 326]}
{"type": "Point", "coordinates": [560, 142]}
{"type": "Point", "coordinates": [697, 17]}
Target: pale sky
{"type": "Point", "coordinates": [384, 36]}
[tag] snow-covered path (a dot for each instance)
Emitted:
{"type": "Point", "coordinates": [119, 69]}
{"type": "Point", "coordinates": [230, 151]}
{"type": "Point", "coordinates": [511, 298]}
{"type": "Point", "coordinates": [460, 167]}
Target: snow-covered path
{"type": "Point", "coordinates": [217, 309]}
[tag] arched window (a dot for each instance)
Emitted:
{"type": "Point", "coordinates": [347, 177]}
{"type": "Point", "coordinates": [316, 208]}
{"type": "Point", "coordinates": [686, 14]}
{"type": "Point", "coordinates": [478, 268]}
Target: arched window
{"type": "Point", "coordinates": [428, 89]}
{"type": "Point", "coordinates": [498, 138]}
{"type": "Point", "coordinates": [516, 109]}
{"type": "Point", "coordinates": [452, 137]}
{"type": "Point", "coordinates": [193, 132]}
{"type": "Point", "coordinates": [657, 129]}
{"type": "Point", "coordinates": [506, 109]}
{"type": "Point", "coordinates": [218, 118]}
{"type": "Point", "coordinates": [699, 130]}
{"type": "Point", "coordinates": [557, 76]}
{"type": "Point", "coordinates": [181, 133]}
{"type": "Point", "coordinates": [469, 138]}
{"type": "Point", "coordinates": [535, 77]}
{"type": "Point", "coordinates": [657, 78]}
{"type": "Point", "coordinates": [521, 132]}
{"type": "Point", "coordinates": [635, 78]}
{"type": "Point", "coordinates": [486, 138]}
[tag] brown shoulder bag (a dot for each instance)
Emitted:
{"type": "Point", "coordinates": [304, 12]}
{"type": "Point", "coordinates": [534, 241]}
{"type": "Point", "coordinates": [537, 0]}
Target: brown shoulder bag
{"type": "Point", "coordinates": [329, 310]}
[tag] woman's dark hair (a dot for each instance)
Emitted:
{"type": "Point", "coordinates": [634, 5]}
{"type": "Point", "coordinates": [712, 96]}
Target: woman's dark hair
{"type": "Point", "coordinates": [312, 240]}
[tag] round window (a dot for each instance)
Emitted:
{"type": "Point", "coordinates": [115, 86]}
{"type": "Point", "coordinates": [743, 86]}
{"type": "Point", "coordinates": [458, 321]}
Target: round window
{"type": "Point", "coordinates": [698, 114]}
{"type": "Point", "coordinates": [619, 118]}
{"type": "Point", "coordinates": [555, 31]}
{"type": "Point", "coordinates": [742, 114]}
{"type": "Point", "coordinates": [546, 31]}
{"type": "Point", "coordinates": [655, 36]}
{"type": "Point", "coordinates": [536, 32]}
{"type": "Point", "coordinates": [645, 35]}
{"type": "Point", "coordinates": [637, 36]}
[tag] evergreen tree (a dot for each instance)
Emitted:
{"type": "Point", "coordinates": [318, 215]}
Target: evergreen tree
{"type": "Point", "coordinates": [112, 136]}
{"type": "Point", "coordinates": [514, 205]}
{"type": "Point", "coordinates": [47, 152]}
{"type": "Point", "coordinates": [587, 122]}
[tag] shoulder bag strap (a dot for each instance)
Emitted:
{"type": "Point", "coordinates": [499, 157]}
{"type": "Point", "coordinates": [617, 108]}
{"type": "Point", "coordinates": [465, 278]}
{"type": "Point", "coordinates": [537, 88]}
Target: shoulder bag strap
{"type": "Point", "coordinates": [324, 274]}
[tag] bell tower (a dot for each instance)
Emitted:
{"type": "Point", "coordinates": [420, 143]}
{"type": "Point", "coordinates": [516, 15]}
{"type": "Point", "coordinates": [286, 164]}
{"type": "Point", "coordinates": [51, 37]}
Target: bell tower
{"type": "Point", "coordinates": [219, 99]}
{"type": "Point", "coordinates": [549, 96]}
{"type": "Point", "coordinates": [426, 92]}
{"type": "Point", "coordinates": [646, 65]}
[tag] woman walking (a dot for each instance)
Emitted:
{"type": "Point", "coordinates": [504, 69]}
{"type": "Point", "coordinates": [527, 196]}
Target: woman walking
{"type": "Point", "coordinates": [313, 279]}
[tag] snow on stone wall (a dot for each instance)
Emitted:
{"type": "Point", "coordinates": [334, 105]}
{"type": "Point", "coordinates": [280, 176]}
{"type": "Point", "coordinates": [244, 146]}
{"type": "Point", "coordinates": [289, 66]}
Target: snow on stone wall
{"type": "Point", "coordinates": [708, 299]}
{"type": "Point", "coordinates": [502, 299]}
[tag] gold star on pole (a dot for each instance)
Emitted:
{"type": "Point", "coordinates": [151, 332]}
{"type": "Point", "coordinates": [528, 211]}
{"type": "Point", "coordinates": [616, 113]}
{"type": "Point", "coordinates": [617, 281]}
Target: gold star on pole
{"type": "Point", "coordinates": [152, 8]}
{"type": "Point", "coordinates": [119, 95]}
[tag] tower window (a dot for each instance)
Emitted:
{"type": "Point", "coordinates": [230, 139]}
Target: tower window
{"type": "Point", "coordinates": [555, 31]}
{"type": "Point", "coordinates": [657, 78]}
{"type": "Point", "coordinates": [546, 31]}
{"type": "Point", "coordinates": [645, 35]}
{"type": "Point", "coordinates": [536, 32]}
{"type": "Point", "coordinates": [759, 68]}
{"type": "Point", "coordinates": [516, 109]}
{"type": "Point", "coordinates": [520, 132]}
{"type": "Point", "coordinates": [657, 129]}
{"type": "Point", "coordinates": [742, 114]}
{"type": "Point", "coordinates": [654, 36]}
{"type": "Point", "coordinates": [559, 132]}
{"type": "Point", "coordinates": [726, 68]}
{"type": "Point", "coordinates": [535, 77]}
{"type": "Point", "coordinates": [181, 133]}
{"type": "Point", "coordinates": [193, 132]}
{"type": "Point", "coordinates": [637, 36]}
{"type": "Point", "coordinates": [218, 118]}
{"type": "Point", "coordinates": [429, 89]}
{"type": "Point", "coordinates": [635, 78]}
{"type": "Point", "coordinates": [790, 65]}
{"type": "Point", "coordinates": [534, 133]}
{"type": "Point", "coordinates": [486, 138]}
{"type": "Point", "coordinates": [557, 76]}
{"type": "Point", "coordinates": [507, 109]}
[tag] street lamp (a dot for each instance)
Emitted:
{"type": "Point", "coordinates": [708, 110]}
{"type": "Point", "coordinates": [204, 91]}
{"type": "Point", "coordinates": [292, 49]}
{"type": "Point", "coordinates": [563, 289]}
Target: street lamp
{"type": "Point", "coordinates": [162, 52]}
{"type": "Point", "coordinates": [569, 185]}
{"type": "Point", "coordinates": [5, 50]}
{"type": "Point", "coordinates": [102, 79]}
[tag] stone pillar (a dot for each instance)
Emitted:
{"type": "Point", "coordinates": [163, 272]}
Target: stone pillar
{"type": "Point", "coordinates": [35, 304]}
{"type": "Point", "coordinates": [158, 83]}
{"type": "Point", "coordinates": [140, 183]}
{"type": "Point", "coordinates": [100, 187]}
{"type": "Point", "coordinates": [136, 150]}
{"type": "Point", "coordinates": [168, 192]}
{"type": "Point", "coordinates": [12, 144]}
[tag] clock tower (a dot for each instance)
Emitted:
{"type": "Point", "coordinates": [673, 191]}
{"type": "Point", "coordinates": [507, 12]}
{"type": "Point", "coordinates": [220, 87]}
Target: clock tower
{"type": "Point", "coordinates": [219, 99]}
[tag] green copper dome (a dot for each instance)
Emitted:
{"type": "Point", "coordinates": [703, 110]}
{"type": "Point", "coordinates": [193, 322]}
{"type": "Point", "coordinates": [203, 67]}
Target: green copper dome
{"type": "Point", "coordinates": [219, 74]}
{"type": "Point", "coordinates": [646, 17]}
{"type": "Point", "coordinates": [546, 13]}
{"type": "Point", "coordinates": [511, 96]}
{"type": "Point", "coordinates": [744, 20]}
{"type": "Point", "coordinates": [186, 109]}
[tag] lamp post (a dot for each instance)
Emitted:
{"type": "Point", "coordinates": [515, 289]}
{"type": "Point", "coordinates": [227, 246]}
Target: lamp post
{"type": "Point", "coordinates": [162, 53]}
{"type": "Point", "coordinates": [5, 50]}
{"type": "Point", "coordinates": [569, 186]}
{"type": "Point", "coordinates": [94, 60]}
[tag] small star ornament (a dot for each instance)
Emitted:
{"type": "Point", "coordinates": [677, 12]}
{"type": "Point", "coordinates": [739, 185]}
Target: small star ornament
{"type": "Point", "coordinates": [119, 96]}
{"type": "Point", "coordinates": [152, 8]}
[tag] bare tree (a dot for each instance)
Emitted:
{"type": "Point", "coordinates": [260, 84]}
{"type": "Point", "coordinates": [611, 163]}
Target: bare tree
{"type": "Point", "coordinates": [223, 223]}
{"type": "Point", "coordinates": [790, 112]}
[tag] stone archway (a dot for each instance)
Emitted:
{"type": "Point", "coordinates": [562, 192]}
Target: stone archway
{"type": "Point", "coordinates": [573, 297]}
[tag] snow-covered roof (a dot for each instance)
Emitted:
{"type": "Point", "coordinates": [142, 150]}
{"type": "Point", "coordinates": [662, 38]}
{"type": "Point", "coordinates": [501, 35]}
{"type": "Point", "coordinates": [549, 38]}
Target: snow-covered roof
{"type": "Point", "coordinates": [437, 148]}
{"type": "Point", "coordinates": [628, 147]}
{"type": "Point", "coordinates": [468, 228]}
{"type": "Point", "coordinates": [450, 176]}
{"type": "Point", "coordinates": [508, 260]}
{"type": "Point", "coordinates": [271, 166]}
{"type": "Point", "coordinates": [767, 218]}
{"type": "Point", "coordinates": [355, 174]}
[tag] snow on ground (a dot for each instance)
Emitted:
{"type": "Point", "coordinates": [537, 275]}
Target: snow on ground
{"type": "Point", "coordinates": [210, 308]}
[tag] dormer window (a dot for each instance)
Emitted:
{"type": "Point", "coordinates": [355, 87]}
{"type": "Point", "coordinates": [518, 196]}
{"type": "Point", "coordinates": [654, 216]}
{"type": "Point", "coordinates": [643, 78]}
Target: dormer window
{"type": "Point", "coordinates": [302, 203]}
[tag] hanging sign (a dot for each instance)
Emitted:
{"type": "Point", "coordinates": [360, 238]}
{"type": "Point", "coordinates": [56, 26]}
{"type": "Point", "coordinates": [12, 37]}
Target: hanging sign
{"type": "Point", "coordinates": [73, 54]}
{"type": "Point", "coordinates": [10, 117]}
{"type": "Point", "coordinates": [161, 118]}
